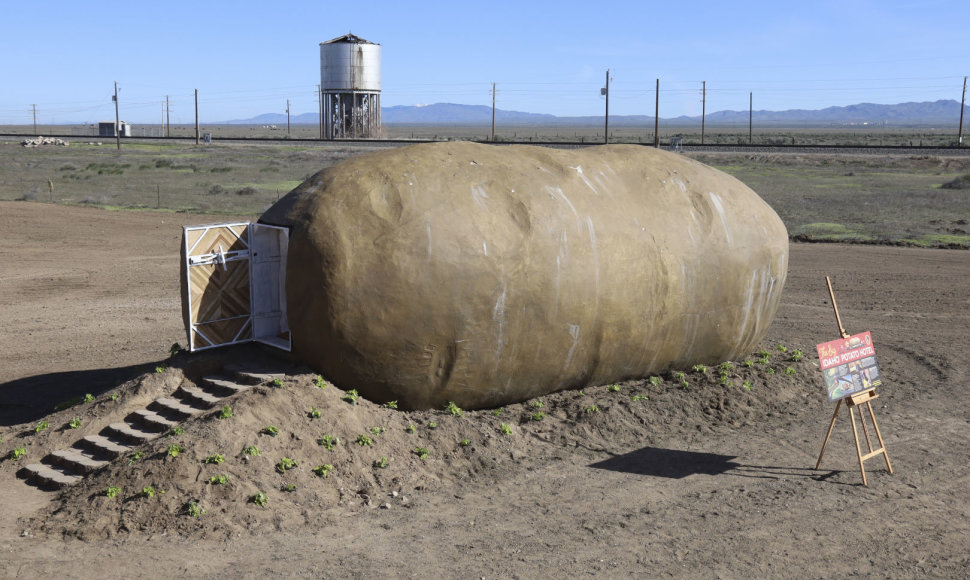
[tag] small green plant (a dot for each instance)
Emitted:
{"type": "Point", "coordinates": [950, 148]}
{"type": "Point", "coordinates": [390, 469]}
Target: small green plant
{"type": "Point", "coordinates": [278, 382]}
{"type": "Point", "coordinates": [537, 403]}
{"type": "Point", "coordinates": [290, 487]}
{"type": "Point", "coordinates": [748, 363]}
{"type": "Point", "coordinates": [764, 353]}
{"type": "Point", "coordinates": [655, 381]}
{"type": "Point", "coordinates": [112, 491]}
{"type": "Point", "coordinates": [323, 470]}
{"type": "Point", "coordinates": [432, 425]}
{"type": "Point", "coordinates": [364, 440]}
{"type": "Point", "coordinates": [505, 429]}
{"type": "Point", "coordinates": [781, 348]}
{"type": "Point", "coordinates": [726, 366]}
{"type": "Point", "coordinates": [175, 449]}
{"type": "Point", "coordinates": [148, 491]}
{"type": "Point", "coordinates": [790, 371]}
{"type": "Point", "coordinates": [251, 450]}
{"type": "Point", "coordinates": [391, 404]}
{"type": "Point", "coordinates": [381, 463]}
{"type": "Point", "coordinates": [679, 375]}
{"type": "Point", "coordinates": [639, 398]}
{"type": "Point", "coordinates": [314, 413]}
{"type": "Point", "coordinates": [285, 464]}
{"type": "Point", "coordinates": [160, 369]}
{"type": "Point", "coordinates": [770, 371]}
{"type": "Point", "coordinates": [699, 369]}
{"type": "Point", "coordinates": [41, 426]}
{"type": "Point", "coordinates": [581, 393]}
{"type": "Point", "coordinates": [195, 510]}
{"type": "Point", "coordinates": [351, 396]}
{"type": "Point", "coordinates": [271, 430]}
{"type": "Point", "coordinates": [497, 412]}
{"type": "Point", "coordinates": [217, 458]}
{"type": "Point", "coordinates": [18, 452]}
{"type": "Point", "coordinates": [226, 412]}
{"type": "Point", "coordinates": [136, 456]}
{"type": "Point", "coordinates": [88, 398]}
{"type": "Point", "coordinates": [421, 452]}
{"type": "Point", "coordinates": [454, 409]}
{"type": "Point", "coordinates": [113, 396]}
{"type": "Point", "coordinates": [74, 423]}
{"type": "Point", "coordinates": [377, 430]}
{"type": "Point", "coordinates": [765, 360]}
{"type": "Point", "coordinates": [591, 409]}
{"type": "Point", "coordinates": [260, 499]}
{"type": "Point", "coordinates": [219, 479]}
{"type": "Point", "coordinates": [329, 441]}
{"type": "Point", "coordinates": [465, 442]}
{"type": "Point", "coordinates": [725, 379]}
{"type": "Point", "coordinates": [538, 416]}
{"type": "Point", "coordinates": [614, 388]}
{"type": "Point", "coordinates": [684, 385]}
{"type": "Point", "coordinates": [410, 428]}
{"type": "Point", "coordinates": [796, 355]}
{"type": "Point", "coordinates": [319, 382]}
{"type": "Point", "coordinates": [178, 430]}
{"type": "Point", "coordinates": [747, 385]}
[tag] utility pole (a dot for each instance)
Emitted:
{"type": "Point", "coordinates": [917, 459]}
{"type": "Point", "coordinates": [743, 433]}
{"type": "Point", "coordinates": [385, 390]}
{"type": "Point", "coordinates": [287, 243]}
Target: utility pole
{"type": "Point", "coordinates": [168, 123]}
{"type": "Point", "coordinates": [606, 91]}
{"type": "Point", "coordinates": [493, 112]}
{"type": "Point", "coordinates": [117, 118]}
{"type": "Point", "coordinates": [320, 108]}
{"type": "Point", "coordinates": [35, 118]}
{"type": "Point", "coordinates": [196, 116]}
{"type": "Point", "coordinates": [963, 101]}
{"type": "Point", "coordinates": [656, 118]}
{"type": "Point", "coordinates": [287, 117]}
{"type": "Point", "coordinates": [750, 114]}
{"type": "Point", "coordinates": [703, 107]}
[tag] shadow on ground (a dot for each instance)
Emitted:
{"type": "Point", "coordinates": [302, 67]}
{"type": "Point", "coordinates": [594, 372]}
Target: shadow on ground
{"type": "Point", "coordinates": [30, 398]}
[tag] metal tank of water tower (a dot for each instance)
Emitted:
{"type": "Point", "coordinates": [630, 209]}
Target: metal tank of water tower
{"type": "Point", "coordinates": [350, 87]}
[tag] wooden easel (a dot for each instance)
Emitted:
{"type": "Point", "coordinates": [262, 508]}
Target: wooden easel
{"type": "Point", "coordinates": [853, 402]}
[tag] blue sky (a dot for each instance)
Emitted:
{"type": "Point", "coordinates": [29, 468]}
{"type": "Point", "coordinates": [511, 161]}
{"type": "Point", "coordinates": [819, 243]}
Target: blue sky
{"type": "Point", "coordinates": [248, 58]}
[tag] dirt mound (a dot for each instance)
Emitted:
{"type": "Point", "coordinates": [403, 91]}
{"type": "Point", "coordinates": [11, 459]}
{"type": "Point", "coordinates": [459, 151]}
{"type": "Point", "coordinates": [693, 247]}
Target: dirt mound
{"type": "Point", "coordinates": [313, 452]}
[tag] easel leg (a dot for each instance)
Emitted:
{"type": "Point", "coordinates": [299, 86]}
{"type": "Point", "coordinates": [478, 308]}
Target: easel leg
{"type": "Point", "coordinates": [875, 425]}
{"type": "Point", "coordinates": [835, 415]}
{"type": "Point", "coordinates": [858, 449]}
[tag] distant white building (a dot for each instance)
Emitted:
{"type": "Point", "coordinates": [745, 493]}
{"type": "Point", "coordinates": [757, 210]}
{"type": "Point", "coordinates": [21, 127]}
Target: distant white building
{"type": "Point", "coordinates": [107, 129]}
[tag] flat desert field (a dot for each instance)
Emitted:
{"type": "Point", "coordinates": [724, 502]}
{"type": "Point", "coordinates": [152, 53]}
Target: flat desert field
{"type": "Point", "coordinates": [709, 474]}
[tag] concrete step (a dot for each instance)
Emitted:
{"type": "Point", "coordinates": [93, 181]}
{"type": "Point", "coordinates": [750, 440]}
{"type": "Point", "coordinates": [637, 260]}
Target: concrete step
{"type": "Point", "coordinates": [253, 376]}
{"type": "Point", "coordinates": [170, 405]}
{"type": "Point", "coordinates": [75, 460]}
{"type": "Point", "coordinates": [224, 385]}
{"type": "Point", "coordinates": [152, 420]}
{"type": "Point", "coordinates": [198, 396]}
{"type": "Point", "coordinates": [131, 433]}
{"type": "Point", "coordinates": [103, 445]}
{"type": "Point", "coordinates": [48, 475]}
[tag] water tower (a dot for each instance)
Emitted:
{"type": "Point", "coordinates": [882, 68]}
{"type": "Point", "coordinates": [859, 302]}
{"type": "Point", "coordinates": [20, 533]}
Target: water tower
{"type": "Point", "coordinates": [350, 83]}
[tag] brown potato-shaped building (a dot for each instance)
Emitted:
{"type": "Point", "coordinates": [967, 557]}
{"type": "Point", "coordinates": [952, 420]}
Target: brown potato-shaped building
{"type": "Point", "coordinates": [487, 275]}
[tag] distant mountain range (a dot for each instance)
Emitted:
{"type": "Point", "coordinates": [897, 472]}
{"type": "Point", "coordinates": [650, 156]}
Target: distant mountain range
{"type": "Point", "coordinates": [935, 113]}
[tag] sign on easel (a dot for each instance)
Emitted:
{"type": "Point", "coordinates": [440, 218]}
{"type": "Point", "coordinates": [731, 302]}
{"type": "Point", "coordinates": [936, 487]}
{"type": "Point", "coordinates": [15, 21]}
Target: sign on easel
{"type": "Point", "coordinates": [851, 377]}
{"type": "Point", "coordinates": [849, 365]}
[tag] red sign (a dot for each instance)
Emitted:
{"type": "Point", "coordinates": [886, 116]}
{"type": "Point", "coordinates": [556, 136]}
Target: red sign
{"type": "Point", "coordinates": [849, 365]}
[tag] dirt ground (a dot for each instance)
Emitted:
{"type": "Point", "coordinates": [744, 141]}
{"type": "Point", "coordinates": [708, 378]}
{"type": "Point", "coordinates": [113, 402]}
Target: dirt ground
{"type": "Point", "coordinates": [697, 482]}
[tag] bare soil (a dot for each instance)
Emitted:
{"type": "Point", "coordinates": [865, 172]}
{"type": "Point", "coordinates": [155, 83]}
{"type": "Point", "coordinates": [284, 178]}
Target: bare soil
{"type": "Point", "coordinates": [703, 480]}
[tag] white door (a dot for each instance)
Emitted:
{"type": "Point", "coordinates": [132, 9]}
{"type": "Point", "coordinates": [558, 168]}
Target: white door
{"type": "Point", "coordinates": [234, 276]}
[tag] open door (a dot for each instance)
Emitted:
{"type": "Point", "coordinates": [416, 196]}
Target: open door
{"type": "Point", "coordinates": [234, 278]}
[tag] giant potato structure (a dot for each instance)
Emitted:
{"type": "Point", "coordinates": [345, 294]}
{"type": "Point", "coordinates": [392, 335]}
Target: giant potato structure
{"type": "Point", "coordinates": [487, 275]}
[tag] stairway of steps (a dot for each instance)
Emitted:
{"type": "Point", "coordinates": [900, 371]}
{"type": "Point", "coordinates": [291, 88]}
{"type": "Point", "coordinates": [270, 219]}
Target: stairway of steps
{"type": "Point", "coordinates": [66, 467]}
